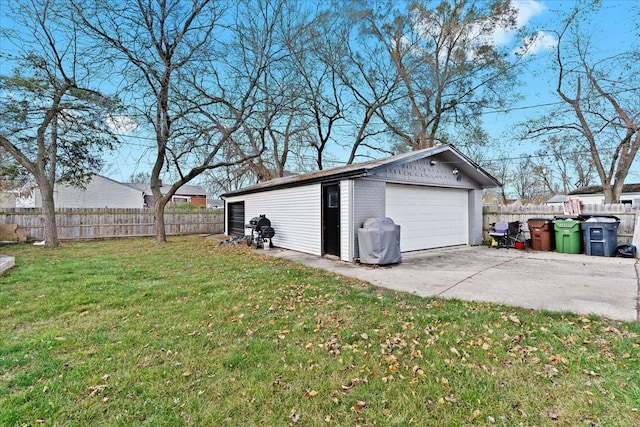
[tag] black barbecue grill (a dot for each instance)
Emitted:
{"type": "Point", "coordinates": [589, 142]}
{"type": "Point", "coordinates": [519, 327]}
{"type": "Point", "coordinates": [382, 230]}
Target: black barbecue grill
{"type": "Point", "coordinates": [261, 231]}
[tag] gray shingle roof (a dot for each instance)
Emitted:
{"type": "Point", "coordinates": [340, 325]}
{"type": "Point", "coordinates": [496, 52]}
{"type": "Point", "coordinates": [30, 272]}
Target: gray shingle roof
{"type": "Point", "coordinates": [597, 189]}
{"type": "Point", "coordinates": [185, 190]}
{"type": "Point", "coordinates": [366, 168]}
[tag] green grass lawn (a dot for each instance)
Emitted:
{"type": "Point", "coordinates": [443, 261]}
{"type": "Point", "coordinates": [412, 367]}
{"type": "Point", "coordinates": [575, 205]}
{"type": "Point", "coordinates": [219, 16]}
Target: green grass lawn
{"type": "Point", "coordinates": [132, 332]}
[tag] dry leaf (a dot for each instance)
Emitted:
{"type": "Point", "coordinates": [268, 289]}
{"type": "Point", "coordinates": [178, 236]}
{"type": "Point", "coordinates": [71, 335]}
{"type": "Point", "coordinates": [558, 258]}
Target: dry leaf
{"type": "Point", "coordinates": [310, 393]}
{"type": "Point", "coordinates": [97, 389]}
{"type": "Point", "coordinates": [416, 371]}
{"type": "Point", "coordinates": [359, 406]}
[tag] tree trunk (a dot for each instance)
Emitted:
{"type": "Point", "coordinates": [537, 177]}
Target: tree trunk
{"type": "Point", "coordinates": [158, 211]}
{"type": "Point", "coordinates": [48, 215]}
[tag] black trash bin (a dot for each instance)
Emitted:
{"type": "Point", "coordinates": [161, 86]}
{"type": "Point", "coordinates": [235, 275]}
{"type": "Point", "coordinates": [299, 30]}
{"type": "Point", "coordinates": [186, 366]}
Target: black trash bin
{"type": "Point", "coordinates": [541, 230]}
{"type": "Point", "coordinates": [600, 235]}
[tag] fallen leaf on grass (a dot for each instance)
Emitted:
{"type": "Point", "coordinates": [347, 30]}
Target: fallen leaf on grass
{"type": "Point", "coordinates": [310, 393]}
{"type": "Point", "coordinates": [359, 406]}
{"type": "Point", "coordinates": [354, 382]}
{"type": "Point", "coordinates": [417, 371]}
{"type": "Point", "coordinates": [97, 389]}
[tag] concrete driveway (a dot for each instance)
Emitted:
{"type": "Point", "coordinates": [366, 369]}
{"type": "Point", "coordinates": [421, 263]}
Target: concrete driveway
{"type": "Point", "coordinates": [554, 281]}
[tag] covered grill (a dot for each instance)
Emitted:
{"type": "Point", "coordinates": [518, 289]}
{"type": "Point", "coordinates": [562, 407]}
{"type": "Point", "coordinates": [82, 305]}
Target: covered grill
{"type": "Point", "coordinates": [379, 241]}
{"type": "Point", "coordinates": [259, 230]}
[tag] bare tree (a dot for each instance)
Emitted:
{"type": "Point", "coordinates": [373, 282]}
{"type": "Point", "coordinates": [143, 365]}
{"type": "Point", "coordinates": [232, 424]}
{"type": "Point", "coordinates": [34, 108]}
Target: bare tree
{"type": "Point", "coordinates": [602, 98]}
{"type": "Point", "coordinates": [368, 79]}
{"type": "Point", "coordinates": [280, 27]}
{"type": "Point", "coordinates": [189, 74]}
{"type": "Point", "coordinates": [524, 179]}
{"type": "Point", "coordinates": [567, 166]}
{"type": "Point", "coordinates": [447, 65]}
{"type": "Point", "coordinates": [51, 121]}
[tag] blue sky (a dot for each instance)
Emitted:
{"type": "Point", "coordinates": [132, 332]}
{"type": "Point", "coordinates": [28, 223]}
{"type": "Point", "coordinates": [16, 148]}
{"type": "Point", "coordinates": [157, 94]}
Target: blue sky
{"type": "Point", "coordinates": [610, 35]}
{"type": "Point", "coordinates": [611, 31]}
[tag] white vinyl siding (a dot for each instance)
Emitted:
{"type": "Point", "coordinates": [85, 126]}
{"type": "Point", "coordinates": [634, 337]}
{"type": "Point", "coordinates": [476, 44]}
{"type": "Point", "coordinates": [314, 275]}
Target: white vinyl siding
{"type": "Point", "coordinates": [295, 215]}
{"type": "Point", "coordinates": [429, 217]}
{"type": "Point", "coordinates": [101, 192]}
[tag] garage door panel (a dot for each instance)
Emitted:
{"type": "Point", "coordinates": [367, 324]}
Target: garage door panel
{"type": "Point", "coordinates": [429, 217]}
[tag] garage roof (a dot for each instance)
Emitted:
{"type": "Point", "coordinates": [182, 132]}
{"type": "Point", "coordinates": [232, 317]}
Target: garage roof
{"type": "Point", "coordinates": [452, 156]}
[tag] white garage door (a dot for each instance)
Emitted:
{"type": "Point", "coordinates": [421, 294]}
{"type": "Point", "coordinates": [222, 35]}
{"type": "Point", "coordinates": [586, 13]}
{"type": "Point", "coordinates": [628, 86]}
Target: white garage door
{"type": "Point", "coordinates": [429, 217]}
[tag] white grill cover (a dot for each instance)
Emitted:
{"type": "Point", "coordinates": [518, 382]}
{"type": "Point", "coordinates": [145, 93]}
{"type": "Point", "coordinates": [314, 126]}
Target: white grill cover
{"type": "Point", "coordinates": [379, 241]}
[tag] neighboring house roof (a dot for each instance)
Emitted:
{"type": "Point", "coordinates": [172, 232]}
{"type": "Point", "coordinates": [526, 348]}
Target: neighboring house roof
{"type": "Point", "coordinates": [597, 189]}
{"type": "Point", "coordinates": [185, 190]}
{"type": "Point", "coordinates": [462, 162]}
{"type": "Point", "coordinates": [558, 198]}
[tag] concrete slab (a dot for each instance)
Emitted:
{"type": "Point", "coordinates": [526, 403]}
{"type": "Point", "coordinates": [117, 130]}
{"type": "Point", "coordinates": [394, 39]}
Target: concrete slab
{"type": "Point", "coordinates": [553, 281]}
{"type": "Point", "coordinates": [6, 262]}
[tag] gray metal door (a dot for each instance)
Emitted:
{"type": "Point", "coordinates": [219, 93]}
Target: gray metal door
{"type": "Point", "coordinates": [235, 218]}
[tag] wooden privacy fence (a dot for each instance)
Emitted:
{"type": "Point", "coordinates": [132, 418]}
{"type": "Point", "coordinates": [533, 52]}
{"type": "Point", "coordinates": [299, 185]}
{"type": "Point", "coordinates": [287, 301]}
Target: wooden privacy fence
{"type": "Point", "coordinates": [494, 213]}
{"type": "Point", "coordinates": [81, 223]}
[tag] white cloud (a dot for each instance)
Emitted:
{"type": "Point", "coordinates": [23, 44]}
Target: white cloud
{"type": "Point", "coordinates": [121, 124]}
{"type": "Point", "coordinates": [525, 11]}
{"type": "Point", "coordinates": [536, 43]}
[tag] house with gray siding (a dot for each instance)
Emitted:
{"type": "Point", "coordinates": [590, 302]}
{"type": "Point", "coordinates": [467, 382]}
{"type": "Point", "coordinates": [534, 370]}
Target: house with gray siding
{"type": "Point", "coordinates": [435, 195]}
{"type": "Point", "coordinates": [103, 192]}
{"type": "Point", "coordinates": [100, 192]}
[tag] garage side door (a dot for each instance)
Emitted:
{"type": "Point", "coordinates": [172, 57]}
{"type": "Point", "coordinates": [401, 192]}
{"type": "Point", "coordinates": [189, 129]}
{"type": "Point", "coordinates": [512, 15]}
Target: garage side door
{"type": "Point", "coordinates": [429, 217]}
{"type": "Point", "coordinates": [236, 223]}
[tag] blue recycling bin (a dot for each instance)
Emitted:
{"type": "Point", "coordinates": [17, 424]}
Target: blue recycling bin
{"type": "Point", "coordinates": [600, 235]}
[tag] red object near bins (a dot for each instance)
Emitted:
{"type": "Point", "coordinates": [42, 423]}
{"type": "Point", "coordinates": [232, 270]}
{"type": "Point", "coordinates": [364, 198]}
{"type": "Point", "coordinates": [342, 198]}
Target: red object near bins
{"type": "Point", "coordinates": [541, 234]}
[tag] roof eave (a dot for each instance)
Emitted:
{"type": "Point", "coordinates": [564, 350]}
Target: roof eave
{"type": "Point", "coordinates": [298, 183]}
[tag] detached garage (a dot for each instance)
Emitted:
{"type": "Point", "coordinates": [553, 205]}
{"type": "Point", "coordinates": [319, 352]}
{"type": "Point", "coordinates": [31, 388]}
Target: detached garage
{"type": "Point", "coordinates": [435, 195]}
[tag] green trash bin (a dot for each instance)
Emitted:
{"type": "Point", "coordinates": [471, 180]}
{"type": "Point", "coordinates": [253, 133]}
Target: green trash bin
{"type": "Point", "coordinates": [568, 236]}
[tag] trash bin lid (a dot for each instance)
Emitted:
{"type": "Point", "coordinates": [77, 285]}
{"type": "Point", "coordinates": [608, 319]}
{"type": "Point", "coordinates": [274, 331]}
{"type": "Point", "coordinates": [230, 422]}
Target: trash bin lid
{"type": "Point", "coordinates": [603, 219]}
{"type": "Point", "coordinates": [565, 223]}
{"type": "Point", "coordinates": [538, 222]}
